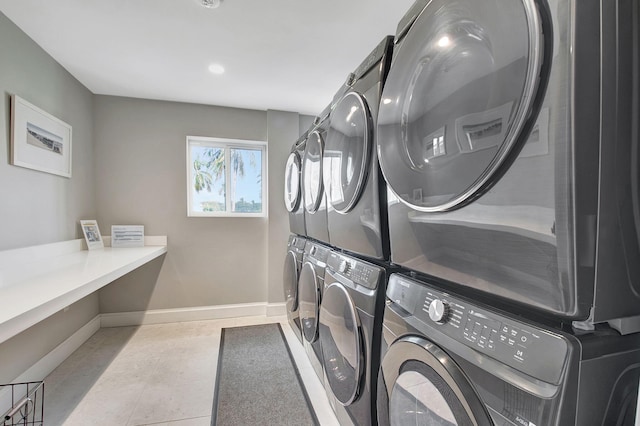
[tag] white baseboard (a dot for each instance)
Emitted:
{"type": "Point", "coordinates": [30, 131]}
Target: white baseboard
{"type": "Point", "coordinates": [276, 309]}
{"type": "Point", "coordinates": [161, 316]}
{"type": "Point", "coordinates": [50, 361]}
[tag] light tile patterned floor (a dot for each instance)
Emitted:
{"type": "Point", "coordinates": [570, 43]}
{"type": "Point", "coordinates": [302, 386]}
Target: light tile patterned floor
{"type": "Point", "coordinates": [161, 374]}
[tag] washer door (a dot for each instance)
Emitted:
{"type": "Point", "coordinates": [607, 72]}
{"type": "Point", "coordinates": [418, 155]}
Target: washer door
{"type": "Point", "coordinates": [292, 182]}
{"type": "Point", "coordinates": [424, 386]}
{"type": "Point", "coordinates": [458, 95]}
{"type": "Point", "coordinates": [290, 281]}
{"type": "Point", "coordinates": [342, 345]}
{"type": "Point", "coordinates": [309, 300]}
{"type": "Point", "coordinates": [347, 153]}
{"type": "Point", "coordinates": [312, 172]}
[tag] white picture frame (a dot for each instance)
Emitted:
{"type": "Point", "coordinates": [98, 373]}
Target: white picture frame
{"type": "Point", "coordinates": [91, 233]}
{"type": "Point", "coordinates": [39, 141]}
{"type": "Point", "coordinates": [127, 236]}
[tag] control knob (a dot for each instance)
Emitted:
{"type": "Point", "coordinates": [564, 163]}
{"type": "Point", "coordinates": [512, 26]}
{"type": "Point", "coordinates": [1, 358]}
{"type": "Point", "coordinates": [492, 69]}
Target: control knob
{"type": "Point", "coordinates": [439, 311]}
{"type": "Point", "coordinates": [344, 267]}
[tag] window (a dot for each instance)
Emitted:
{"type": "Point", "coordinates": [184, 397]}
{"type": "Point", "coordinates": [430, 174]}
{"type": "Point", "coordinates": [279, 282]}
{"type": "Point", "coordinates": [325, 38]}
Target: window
{"type": "Point", "coordinates": [225, 177]}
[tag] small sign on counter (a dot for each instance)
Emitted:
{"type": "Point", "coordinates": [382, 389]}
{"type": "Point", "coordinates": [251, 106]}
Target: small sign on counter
{"type": "Point", "coordinates": [127, 236]}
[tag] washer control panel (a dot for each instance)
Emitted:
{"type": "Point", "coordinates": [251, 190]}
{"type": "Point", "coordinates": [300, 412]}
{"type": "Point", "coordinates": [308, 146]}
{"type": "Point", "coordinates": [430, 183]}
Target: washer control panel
{"type": "Point", "coordinates": [527, 348]}
{"type": "Point", "coordinates": [357, 271]}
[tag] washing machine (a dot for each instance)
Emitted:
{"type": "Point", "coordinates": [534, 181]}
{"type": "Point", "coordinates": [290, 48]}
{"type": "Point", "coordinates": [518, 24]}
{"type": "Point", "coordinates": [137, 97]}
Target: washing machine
{"type": "Point", "coordinates": [508, 136]}
{"type": "Point", "coordinates": [315, 200]}
{"type": "Point", "coordinates": [350, 333]}
{"type": "Point", "coordinates": [310, 292]}
{"type": "Point", "coordinates": [293, 196]}
{"type": "Point", "coordinates": [356, 194]}
{"type": "Point", "coordinates": [291, 272]}
{"type": "Point", "coordinates": [447, 360]}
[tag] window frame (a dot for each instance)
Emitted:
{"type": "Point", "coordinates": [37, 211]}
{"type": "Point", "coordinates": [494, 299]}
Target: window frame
{"type": "Point", "coordinates": [227, 145]}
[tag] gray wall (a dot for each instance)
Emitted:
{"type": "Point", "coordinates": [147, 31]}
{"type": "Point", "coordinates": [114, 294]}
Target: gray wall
{"type": "Point", "coordinates": [141, 179]}
{"type": "Point", "coordinates": [36, 207]}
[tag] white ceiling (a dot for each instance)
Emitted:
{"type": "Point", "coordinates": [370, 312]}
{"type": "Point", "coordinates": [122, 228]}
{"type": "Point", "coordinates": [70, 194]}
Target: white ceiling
{"type": "Point", "coordinates": [289, 55]}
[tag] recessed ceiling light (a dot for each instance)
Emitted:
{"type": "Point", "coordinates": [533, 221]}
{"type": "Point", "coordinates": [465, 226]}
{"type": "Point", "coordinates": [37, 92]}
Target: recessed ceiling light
{"type": "Point", "coordinates": [210, 4]}
{"type": "Point", "coordinates": [216, 69]}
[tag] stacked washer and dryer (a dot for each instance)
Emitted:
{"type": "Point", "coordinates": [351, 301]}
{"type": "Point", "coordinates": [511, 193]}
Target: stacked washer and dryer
{"type": "Point", "coordinates": [508, 134]}
{"type": "Point", "coordinates": [481, 261]}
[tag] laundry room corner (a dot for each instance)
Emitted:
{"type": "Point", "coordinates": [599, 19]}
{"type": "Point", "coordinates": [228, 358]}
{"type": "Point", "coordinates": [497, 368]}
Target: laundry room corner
{"type": "Point", "coordinates": [282, 128]}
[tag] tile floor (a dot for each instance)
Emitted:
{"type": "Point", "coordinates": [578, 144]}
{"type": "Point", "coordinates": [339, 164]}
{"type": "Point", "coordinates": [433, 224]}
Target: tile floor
{"type": "Point", "coordinates": [161, 374]}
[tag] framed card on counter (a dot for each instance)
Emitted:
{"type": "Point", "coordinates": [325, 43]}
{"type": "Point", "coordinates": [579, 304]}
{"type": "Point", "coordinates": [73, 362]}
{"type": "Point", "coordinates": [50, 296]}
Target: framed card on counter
{"type": "Point", "coordinates": [92, 234]}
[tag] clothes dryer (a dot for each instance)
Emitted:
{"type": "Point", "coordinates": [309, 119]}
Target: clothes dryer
{"type": "Point", "coordinates": [508, 134]}
{"type": "Point", "coordinates": [315, 200]}
{"type": "Point", "coordinates": [310, 291]}
{"type": "Point", "coordinates": [350, 334]}
{"type": "Point", "coordinates": [356, 194]}
{"type": "Point", "coordinates": [291, 272]}
{"type": "Point", "coordinates": [446, 360]}
{"type": "Point", "coordinates": [293, 196]}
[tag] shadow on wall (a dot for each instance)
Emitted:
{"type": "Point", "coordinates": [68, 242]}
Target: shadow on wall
{"type": "Point", "coordinates": [132, 292]}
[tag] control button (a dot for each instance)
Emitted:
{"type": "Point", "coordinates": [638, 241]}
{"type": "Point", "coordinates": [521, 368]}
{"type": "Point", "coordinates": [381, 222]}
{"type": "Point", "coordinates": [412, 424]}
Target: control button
{"type": "Point", "coordinates": [344, 267]}
{"type": "Point", "coordinates": [439, 311]}
{"type": "Point", "coordinates": [523, 339]}
{"type": "Point", "coordinates": [511, 342]}
{"type": "Point", "coordinates": [505, 329]}
{"type": "Point", "coordinates": [503, 338]}
{"type": "Point", "coordinates": [313, 250]}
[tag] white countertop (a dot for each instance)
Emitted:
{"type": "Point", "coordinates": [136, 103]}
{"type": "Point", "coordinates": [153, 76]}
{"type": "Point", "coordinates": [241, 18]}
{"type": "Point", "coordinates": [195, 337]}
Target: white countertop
{"type": "Point", "coordinates": [36, 282]}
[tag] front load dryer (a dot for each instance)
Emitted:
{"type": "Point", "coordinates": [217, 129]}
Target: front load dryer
{"type": "Point", "coordinates": [293, 195]}
{"type": "Point", "coordinates": [315, 200]}
{"type": "Point", "coordinates": [350, 334]}
{"type": "Point", "coordinates": [447, 360]}
{"type": "Point", "coordinates": [356, 194]}
{"type": "Point", "coordinates": [508, 135]}
{"type": "Point", "coordinates": [310, 292]}
{"type": "Point", "coordinates": [291, 272]}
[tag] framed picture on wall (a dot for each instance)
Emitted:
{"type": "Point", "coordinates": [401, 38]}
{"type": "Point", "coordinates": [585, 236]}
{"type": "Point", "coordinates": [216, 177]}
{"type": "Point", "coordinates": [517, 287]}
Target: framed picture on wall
{"type": "Point", "coordinates": [39, 141]}
{"type": "Point", "coordinates": [91, 234]}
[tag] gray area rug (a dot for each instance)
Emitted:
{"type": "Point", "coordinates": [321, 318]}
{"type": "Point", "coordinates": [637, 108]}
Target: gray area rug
{"type": "Point", "coordinates": [257, 381]}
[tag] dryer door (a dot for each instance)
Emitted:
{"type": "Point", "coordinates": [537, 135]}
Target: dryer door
{"type": "Point", "coordinates": [424, 386]}
{"type": "Point", "coordinates": [292, 182]}
{"type": "Point", "coordinates": [290, 281]}
{"type": "Point", "coordinates": [458, 96]}
{"type": "Point", "coordinates": [309, 301]}
{"type": "Point", "coordinates": [342, 345]}
{"type": "Point", "coordinates": [347, 153]}
{"type": "Point", "coordinates": [312, 172]}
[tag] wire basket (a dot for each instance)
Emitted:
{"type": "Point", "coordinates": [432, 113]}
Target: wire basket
{"type": "Point", "coordinates": [22, 404]}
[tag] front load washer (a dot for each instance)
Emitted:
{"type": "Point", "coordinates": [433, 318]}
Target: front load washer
{"type": "Point", "coordinates": [350, 333]}
{"type": "Point", "coordinates": [315, 200]}
{"type": "Point", "coordinates": [293, 196]}
{"type": "Point", "coordinates": [310, 291]}
{"type": "Point", "coordinates": [508, 134]}
{"type": "Point", "coordinates": [291, 272]}
{"type": "Point", "coordinates": [450, 361]}
{"type": "Point", "coordinates": [356, 194]}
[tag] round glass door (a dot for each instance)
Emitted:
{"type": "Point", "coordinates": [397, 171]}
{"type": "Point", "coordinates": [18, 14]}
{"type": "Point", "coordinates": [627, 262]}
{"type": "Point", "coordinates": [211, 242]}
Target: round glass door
{"type": "Point", "coordinates": [292, 182]}
{"type": "Point", "coordinates": [309, 302]}
{"type": "Point", "coordinates": [457, 98]}
{"type": "Point", "coordinates": [341, 344]}
{"type": "Point", "coordinates": [290, 282]}
{"type": "Point", "coordinates": [426, 387]}
{"type": "Point", "coordinates": [347, 152]}
{"type": "Point", "coordinates": [312, 172]}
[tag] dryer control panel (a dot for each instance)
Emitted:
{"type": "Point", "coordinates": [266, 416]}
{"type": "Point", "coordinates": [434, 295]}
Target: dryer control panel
{"type": "Point", "coordinates": [532, 350]}
{"type": "Point", "coordinates": [359, 272]}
